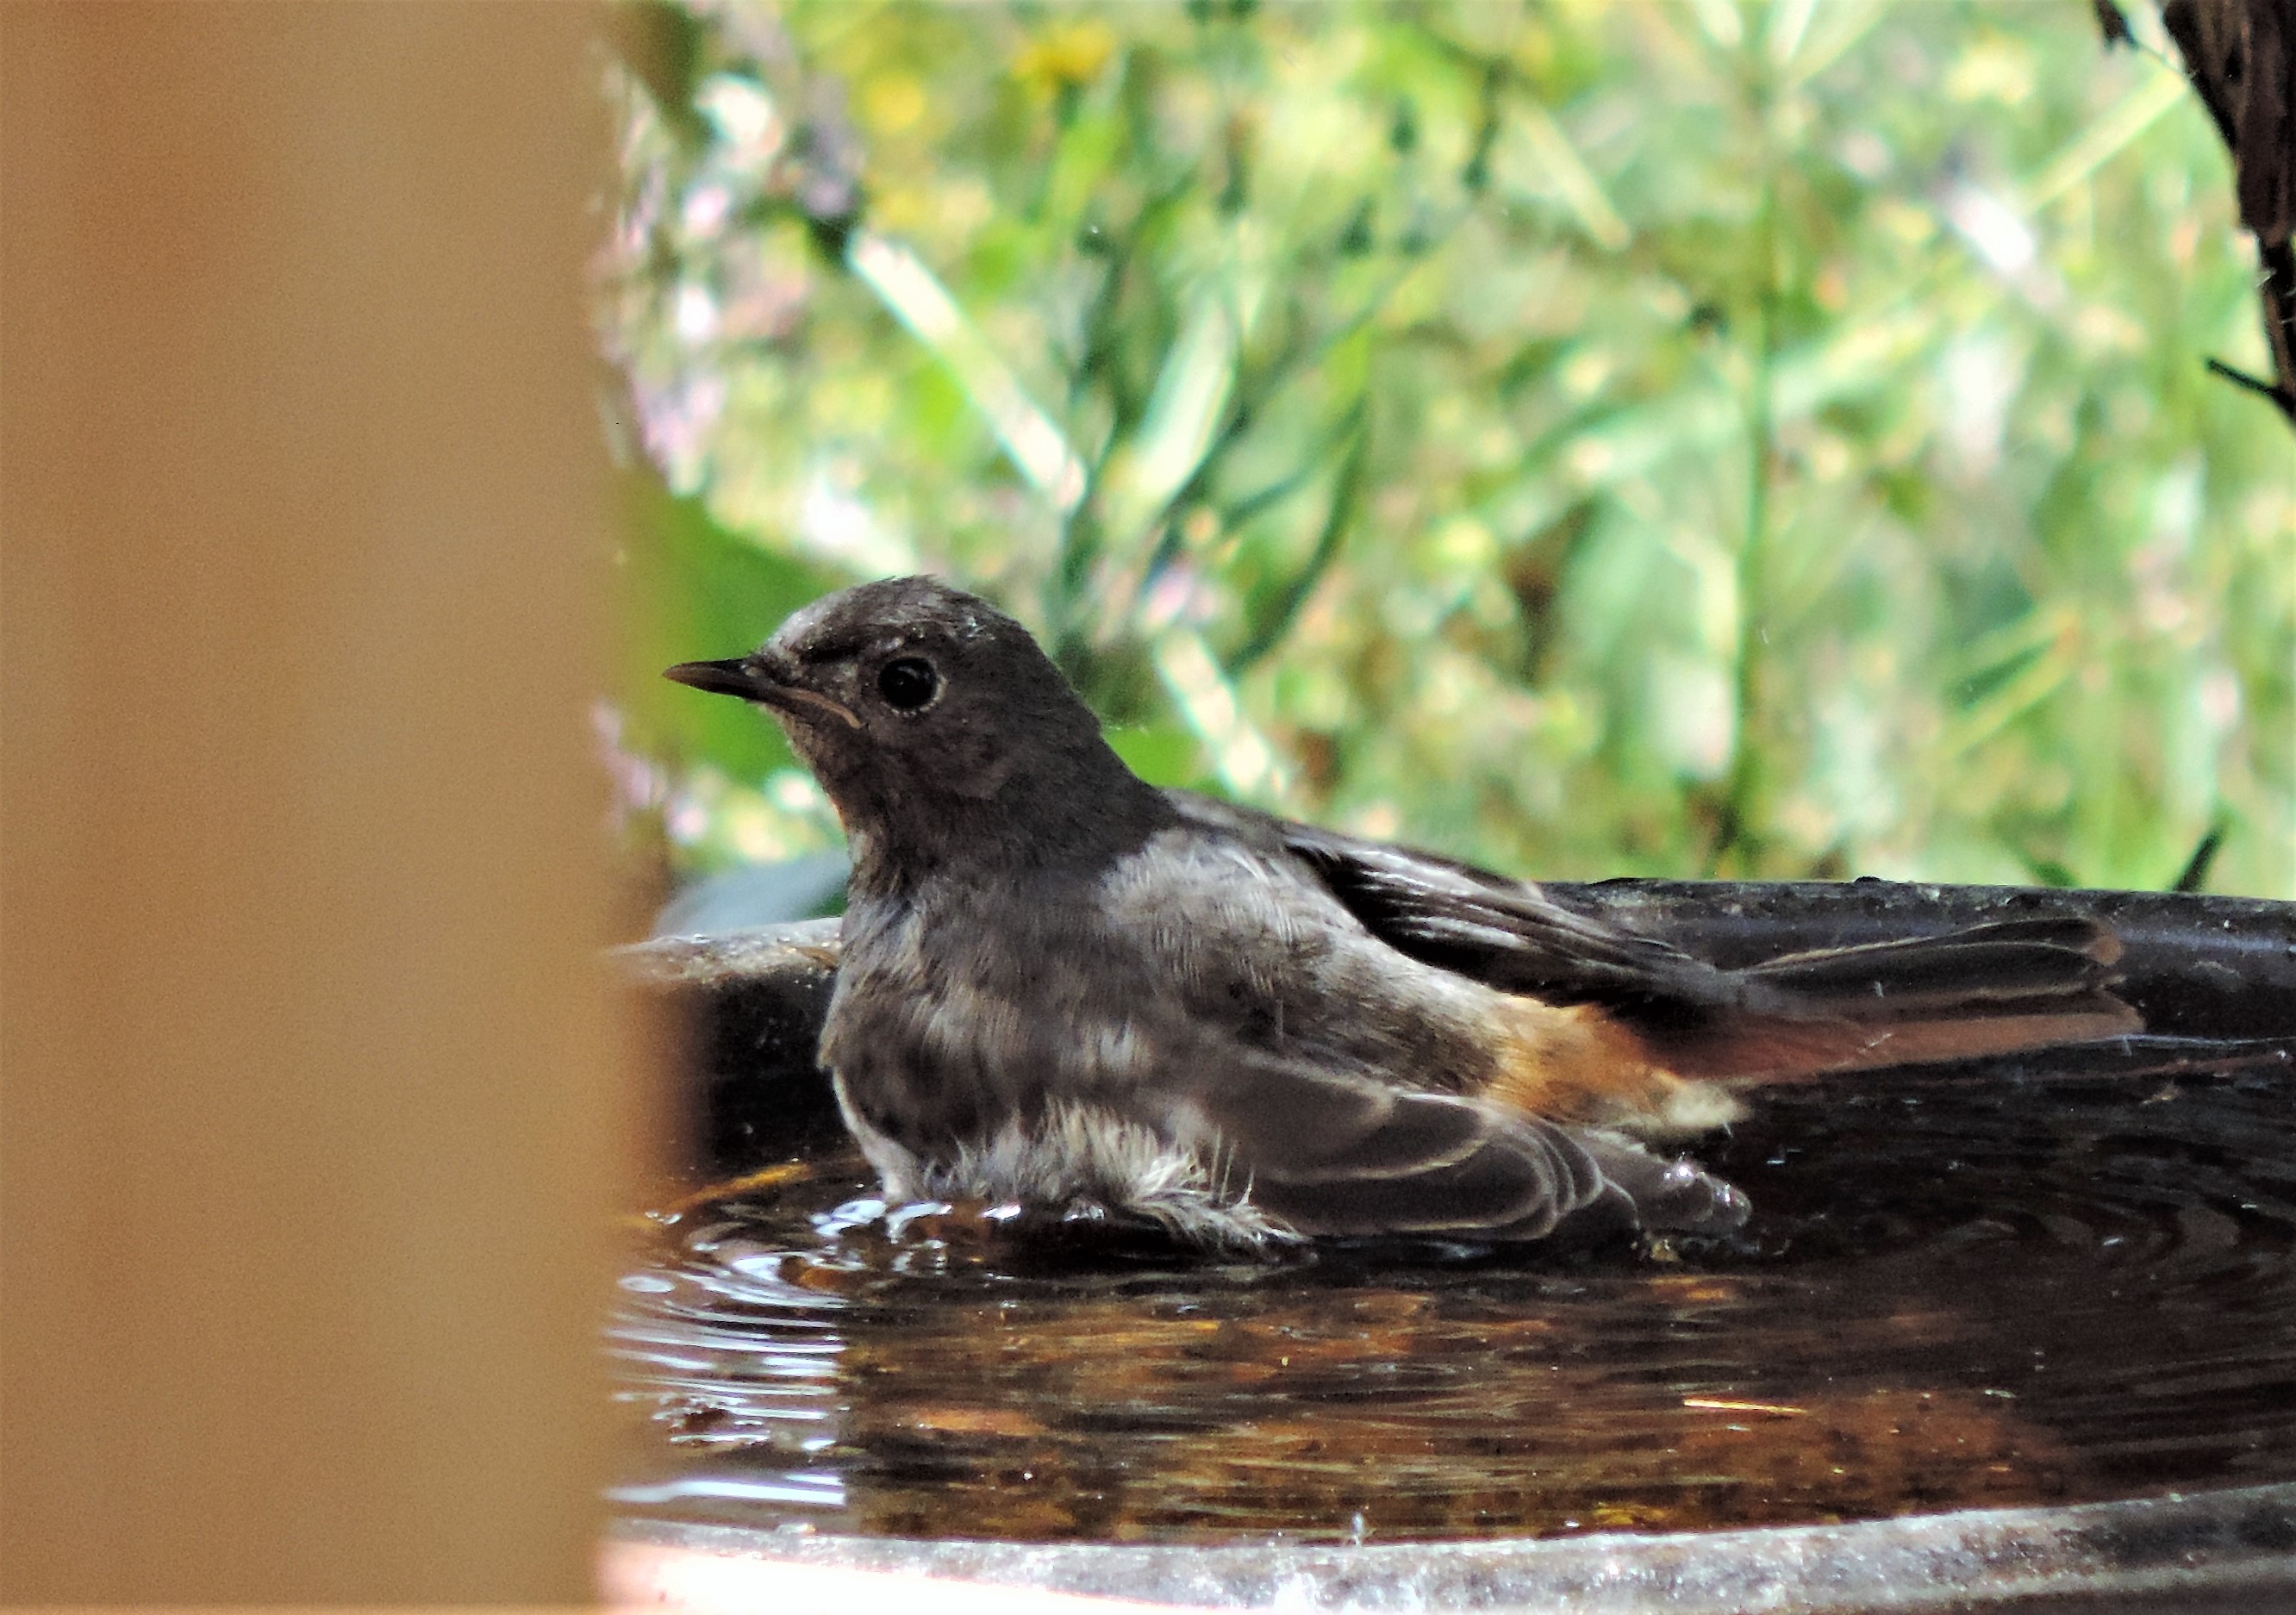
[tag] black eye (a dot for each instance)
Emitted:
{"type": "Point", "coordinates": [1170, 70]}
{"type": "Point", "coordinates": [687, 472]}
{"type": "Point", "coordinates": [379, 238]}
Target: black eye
{"type": "Point", "coordinates": [907, 683]}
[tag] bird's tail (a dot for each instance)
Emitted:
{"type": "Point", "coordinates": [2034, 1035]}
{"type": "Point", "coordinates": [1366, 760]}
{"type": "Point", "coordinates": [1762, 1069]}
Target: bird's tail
{"type": "Point", "coordinates": [1989, 989]}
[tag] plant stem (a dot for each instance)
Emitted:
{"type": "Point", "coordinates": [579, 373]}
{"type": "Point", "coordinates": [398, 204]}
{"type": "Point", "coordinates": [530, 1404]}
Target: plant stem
{"type": "Point", "coordinates": [1735, 839]}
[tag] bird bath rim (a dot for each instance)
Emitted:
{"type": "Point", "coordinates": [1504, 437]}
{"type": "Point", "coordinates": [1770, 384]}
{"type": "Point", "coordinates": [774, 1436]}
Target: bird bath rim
{"type": "Point", "coordinates": [2225, 1549]}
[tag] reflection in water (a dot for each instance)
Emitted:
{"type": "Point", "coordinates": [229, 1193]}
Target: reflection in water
{"type": "Point", "coordinates": [1950, 1295]}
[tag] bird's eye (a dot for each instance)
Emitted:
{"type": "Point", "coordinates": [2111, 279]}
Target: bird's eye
{"type": "Point", "coordinates": [908, 683]}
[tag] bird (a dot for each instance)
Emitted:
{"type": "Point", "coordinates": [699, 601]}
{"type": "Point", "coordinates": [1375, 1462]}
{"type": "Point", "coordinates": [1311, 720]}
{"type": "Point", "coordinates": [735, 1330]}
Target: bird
{"type": "Point", "coordinates": [1065, 990]}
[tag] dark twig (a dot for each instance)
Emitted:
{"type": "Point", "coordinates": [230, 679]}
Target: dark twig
{"type": "Point", "coordinates": [2195, 876]}
{"type": "Point", "coordinates": [2256, 384]}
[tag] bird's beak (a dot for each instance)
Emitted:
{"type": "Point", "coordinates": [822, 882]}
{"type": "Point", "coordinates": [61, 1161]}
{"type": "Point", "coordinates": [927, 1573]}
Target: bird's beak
{"type": "Point", "coordinates": [752, 678]}
{"type": "Point", "coordinates": [739, 675]}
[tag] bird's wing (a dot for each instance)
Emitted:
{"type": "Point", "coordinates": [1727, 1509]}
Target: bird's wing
{"type": "Point", "coordinates": [1334, 1154]}
{"type": "Point", "coordinates": [1507, 934]}
{"type": "Point", "coordinates": [1984, 989]}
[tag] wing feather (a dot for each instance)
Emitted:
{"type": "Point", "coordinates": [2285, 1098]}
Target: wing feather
{"type": "Point", "coordinates": [1983, 989]}
{"type": "Point", "coordinates": [1337, 1154]}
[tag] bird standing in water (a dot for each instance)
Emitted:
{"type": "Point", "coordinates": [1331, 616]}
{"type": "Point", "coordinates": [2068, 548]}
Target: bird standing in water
{"type": "Point", "coordinates": [1064, 988]}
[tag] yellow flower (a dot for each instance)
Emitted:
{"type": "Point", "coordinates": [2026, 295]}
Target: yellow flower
{"type": "Point", "coordinates": [892, 102]}
{"type": "Point", "coordinates": [1065, 55]}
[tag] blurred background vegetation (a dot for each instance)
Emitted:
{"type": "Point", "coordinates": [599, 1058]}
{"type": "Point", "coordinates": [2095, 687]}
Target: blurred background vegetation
{"type": "Point", "coordinates": [1767, 440]}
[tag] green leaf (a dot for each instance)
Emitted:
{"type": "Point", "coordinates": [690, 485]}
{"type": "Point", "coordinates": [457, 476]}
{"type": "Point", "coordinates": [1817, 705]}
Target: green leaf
{"type": "Point", "coordinates": [693, 591]}
{"type": "Point", "coordinates": [1162, 754]}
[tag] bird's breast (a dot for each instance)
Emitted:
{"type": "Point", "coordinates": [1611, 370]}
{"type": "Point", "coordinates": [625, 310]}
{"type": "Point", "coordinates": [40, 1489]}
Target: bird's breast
{"type": "Point", "coordinates": [950, 1022]}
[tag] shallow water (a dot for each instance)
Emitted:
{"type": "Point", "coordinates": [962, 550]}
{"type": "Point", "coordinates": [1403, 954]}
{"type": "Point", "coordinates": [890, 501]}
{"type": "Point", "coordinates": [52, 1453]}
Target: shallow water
{"type": "Point", "coordinates": [1985, 1293]}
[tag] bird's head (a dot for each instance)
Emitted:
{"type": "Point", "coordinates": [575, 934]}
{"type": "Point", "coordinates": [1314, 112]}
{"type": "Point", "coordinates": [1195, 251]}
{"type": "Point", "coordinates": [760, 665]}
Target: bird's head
{"type": "Point", "coordinates": [933, 720]}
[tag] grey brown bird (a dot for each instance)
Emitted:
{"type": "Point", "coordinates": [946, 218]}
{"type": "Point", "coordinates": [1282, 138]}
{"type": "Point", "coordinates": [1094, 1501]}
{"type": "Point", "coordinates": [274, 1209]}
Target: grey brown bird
{"type": "Point", "coordinates": [1064, 988]}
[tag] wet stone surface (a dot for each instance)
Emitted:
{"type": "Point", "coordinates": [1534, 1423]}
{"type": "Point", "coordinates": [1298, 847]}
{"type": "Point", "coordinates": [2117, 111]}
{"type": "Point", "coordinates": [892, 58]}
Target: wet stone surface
{"type": "Point", "coordinates": [2011, 1289]}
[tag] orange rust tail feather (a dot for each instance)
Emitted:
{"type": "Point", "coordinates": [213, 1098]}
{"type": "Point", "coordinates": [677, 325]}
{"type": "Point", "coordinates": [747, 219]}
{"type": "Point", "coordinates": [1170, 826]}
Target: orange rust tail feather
{"type": "Point", "coordinates": [1760, 1050]}
{"type": "Point", "coordinates": [1989, 990]}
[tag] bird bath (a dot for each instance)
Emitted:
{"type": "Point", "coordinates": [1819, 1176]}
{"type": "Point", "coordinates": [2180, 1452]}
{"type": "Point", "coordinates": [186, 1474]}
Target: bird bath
{"type": "Point", "coordinates": [2006, 1330]}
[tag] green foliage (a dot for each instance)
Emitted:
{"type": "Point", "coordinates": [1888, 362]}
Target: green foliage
{"type": "Point", "coordinates": [691, 590]}
{"type": "Point", "coordinates": [1591, 438]}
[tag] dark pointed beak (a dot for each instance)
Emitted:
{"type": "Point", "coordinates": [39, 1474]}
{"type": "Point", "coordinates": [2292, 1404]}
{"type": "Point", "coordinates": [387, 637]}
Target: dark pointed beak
{"type": "Point", "coordinates": [751, 679]}
{"type": "Point", "coordinates": [740, 676]}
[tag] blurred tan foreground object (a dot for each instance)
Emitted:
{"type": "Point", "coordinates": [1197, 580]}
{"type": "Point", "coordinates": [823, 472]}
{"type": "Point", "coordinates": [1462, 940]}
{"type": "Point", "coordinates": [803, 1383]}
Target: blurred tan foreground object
{"type": "Point", "coordinates": [309, 1132]}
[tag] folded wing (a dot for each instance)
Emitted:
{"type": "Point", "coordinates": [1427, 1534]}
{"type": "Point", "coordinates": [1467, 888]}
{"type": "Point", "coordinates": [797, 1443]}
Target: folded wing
{"type": "Point", "coordinates": [1985, 989]}
{"type": "Point", "coordinates": [1337, 1154]}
